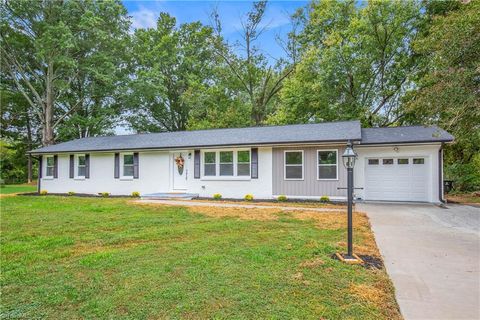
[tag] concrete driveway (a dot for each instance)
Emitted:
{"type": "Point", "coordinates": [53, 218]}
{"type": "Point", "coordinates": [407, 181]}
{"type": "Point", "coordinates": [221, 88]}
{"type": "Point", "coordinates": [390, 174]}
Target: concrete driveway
{"type": "Point", "coordinates": [432, 256]}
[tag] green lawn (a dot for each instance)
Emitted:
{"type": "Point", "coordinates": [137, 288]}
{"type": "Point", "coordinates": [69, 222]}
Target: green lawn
{"type": "Point", "coordinates": [72, 258]}
{"type": "Point", "coordinates": [16, 188]}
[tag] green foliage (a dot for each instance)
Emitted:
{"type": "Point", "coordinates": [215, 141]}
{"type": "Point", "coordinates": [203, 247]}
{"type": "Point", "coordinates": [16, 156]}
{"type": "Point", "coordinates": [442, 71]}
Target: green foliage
{"type": "Point", "coordinates": [104, 194]}
{"type": "Point", "coordinates": [324, 199]}
{"type": "Point", "coordinates": [12, 163]}
{"type": "Point", "coordinates": [447, 93]}
{"type": "Point", "coordinates": [282, 198]}
{"type": "Point", "coordinates": [71, 193]}
{"type": "Point", "coordinates": [248, 197]}
{"type": "Point", "coordinates": [172, 65]}
{"type": "Point", "coordinates": [217, 196]}
{"type": "Point", "coordinates": [135, 194]}
{"type": "Point", "coordinates": [43, 192]}
{"type": "Point", "coordinates": [356, 62]}
{"type": "Point", "coordinates": [466, 176]}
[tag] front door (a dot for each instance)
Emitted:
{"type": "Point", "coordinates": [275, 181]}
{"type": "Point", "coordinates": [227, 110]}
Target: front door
{"type": "Point", "coordinates": [180, 171]}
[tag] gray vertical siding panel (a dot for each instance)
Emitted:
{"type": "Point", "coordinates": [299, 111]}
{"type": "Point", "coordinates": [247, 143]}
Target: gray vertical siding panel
{"type": "Point", "coordinates": [310, 186]}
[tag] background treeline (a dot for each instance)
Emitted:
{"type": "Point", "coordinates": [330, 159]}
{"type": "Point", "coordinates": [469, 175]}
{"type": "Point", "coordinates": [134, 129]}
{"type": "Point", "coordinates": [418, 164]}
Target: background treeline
{"type": "Point", "coordinates": [73, 69]}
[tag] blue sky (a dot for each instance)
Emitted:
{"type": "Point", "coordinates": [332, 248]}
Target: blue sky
{"type": "Point", "coordinates": [145, 13]}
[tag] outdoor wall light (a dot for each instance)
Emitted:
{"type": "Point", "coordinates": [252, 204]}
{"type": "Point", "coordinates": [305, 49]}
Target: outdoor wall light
{"type": "Point", "coordinates": [349, 157]}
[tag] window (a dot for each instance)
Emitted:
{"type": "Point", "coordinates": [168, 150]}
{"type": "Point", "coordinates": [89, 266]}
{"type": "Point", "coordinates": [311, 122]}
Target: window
{"type": "Point", "coordinates": [373, 162]}
{"type": "Point", "coordinates": [293, 165]}
{"type": "Point", "coordinates": [327, 164]}
{"type": "Point", "coordinates": [418, 161]}
{"type": "Point", "coordinates": [387, 161]}
{"type": "Point", "coordinates": [226, 163]}
{"type": "Point", "coordinates": [209, 159]}
{"type": "Point", "coordinates": [402, 161]}
{"type": "Point", "coordinates": [81, 166]}
{"type": "Point", "coordinates": [50, 166]}
{"type": "Point", "coordinates": [243, 163]}
{"type": "Point", "coordinates": [128, 165]}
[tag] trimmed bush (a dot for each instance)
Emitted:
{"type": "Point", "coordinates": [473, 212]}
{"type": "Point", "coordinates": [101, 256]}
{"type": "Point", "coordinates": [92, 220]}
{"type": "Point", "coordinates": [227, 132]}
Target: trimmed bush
{"type": "Point", "coordinates": [282, 198]}
{"type": "Point", "coordinates": [217, 196]}
{"type": "Point", "coordinates": [104, 194]}
{"type": "Point", "coordinates": [135, 194]}
{"type": "Point", "coordinates": [43, 192]}
{"type": "Point", "coordinates": [324, 199]}
{"type": "Point", "coordinates": [71, 193]}
{"type": "Point", "coordinates": [248, 197]}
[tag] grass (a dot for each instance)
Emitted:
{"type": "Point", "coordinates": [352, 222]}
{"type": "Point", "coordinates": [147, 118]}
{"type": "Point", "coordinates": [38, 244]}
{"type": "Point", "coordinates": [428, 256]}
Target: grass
{"type": "Point", "coordinates": [17, 188]}
{"type": "Point", "coordinates": [84, 258]}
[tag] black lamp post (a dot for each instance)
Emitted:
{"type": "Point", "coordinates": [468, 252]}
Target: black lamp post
{"type": "Point", "coordinates": [349, 157]}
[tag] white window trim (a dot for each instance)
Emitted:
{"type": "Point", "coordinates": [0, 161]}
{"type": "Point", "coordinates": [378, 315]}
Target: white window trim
{"type": "Point", "coordinates": [326, 165]}
{"type": "Point", "coordinates": [75, 167]}
{"type": "Point", "coordinates": [46, 166]}
{"type": "Point", "coordinates": [123, 177]}
{"type": "Point", "coordinates": [285, 165]}
{"type": "Point", "coordinates": [217, 176]}
{"type": "Point", "coordinates": [234, 155]}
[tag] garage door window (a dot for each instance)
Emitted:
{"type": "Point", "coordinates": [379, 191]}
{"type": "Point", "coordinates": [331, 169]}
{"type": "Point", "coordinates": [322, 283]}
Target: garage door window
{"type": "Point", "coordinates": [418, 161]}
{"type": "Point", "coordinates": [387, 161]}
{"type": "Point", "coordinates": [402, 161]}
{"type": "Point", "coordinates": [373, 162]}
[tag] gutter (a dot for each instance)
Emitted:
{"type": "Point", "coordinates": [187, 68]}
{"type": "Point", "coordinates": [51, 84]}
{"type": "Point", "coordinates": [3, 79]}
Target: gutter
{"type": "Point", "coordinates": [265, 144]}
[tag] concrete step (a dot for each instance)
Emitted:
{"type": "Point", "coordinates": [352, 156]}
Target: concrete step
{"type": "Point", "coordinates": [169, 195]}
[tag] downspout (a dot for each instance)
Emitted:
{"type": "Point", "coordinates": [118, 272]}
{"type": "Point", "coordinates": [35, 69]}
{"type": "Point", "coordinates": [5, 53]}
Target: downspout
{"type": "Point", "coordinates": [440, 174]}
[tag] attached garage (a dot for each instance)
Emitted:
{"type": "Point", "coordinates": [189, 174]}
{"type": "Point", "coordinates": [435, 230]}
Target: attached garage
{"type": "Point", "coordinates": [405, 178]}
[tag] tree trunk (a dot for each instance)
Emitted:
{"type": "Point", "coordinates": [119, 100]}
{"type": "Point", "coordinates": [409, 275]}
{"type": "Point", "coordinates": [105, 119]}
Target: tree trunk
{"type": "Point", "coordinates": [29, 145]}
{"type": "Point", "coordinates": [47, 130]}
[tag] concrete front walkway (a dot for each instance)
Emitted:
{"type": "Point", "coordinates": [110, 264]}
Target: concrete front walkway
{"type": "Point", "coordinates": [432, 256]}
{"type": "Point", "coordinates": [236, 205]}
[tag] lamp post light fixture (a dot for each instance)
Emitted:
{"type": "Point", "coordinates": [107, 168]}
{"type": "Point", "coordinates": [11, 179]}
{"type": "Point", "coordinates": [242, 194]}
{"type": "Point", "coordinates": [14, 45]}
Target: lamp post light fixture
{"type": "Point", "coordinates": [349, 157]}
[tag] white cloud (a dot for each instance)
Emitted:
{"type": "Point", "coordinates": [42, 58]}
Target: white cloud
{"type": "Point", "coordinates": [144, 18]}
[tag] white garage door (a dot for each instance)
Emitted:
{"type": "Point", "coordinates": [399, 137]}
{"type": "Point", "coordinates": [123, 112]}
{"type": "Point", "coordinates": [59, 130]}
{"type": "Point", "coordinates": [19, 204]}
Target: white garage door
{"type": "Point", "coordinates": [397, 179]}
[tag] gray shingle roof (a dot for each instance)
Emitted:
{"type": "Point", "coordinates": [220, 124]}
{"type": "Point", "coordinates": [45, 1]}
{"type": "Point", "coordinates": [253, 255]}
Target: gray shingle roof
{"type": "Point", "coordinates": [305, 133]}
{"type": "Point", "coordinates": [413, 134]}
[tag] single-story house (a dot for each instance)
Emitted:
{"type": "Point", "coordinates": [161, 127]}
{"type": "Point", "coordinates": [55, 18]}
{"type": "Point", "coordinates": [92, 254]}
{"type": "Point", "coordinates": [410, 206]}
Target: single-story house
{"type": "Point", "coordinates": [299, 161]}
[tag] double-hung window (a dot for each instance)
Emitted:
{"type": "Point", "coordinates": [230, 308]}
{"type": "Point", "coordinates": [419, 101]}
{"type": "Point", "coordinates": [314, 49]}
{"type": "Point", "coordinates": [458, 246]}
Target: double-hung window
{"type": "Point", "coordinates": [227, 164]}
{"type": "Point", "coordinates": [210, 162]}
{"type": "Point", "coordinates": [128, 165]}
{"type": "Point", "coordinates": [327, 166]}
{"type": "Point", "coordinates": [50, 167]}
{"type": "Point", "coordinates": [81, 166]}
{"type": "Point", "coordinates": [243, 163]}
{"type": "Point", "coordinates": [294, 165]}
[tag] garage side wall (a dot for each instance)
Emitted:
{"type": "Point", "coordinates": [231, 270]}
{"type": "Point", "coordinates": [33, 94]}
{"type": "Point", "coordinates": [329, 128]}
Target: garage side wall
{"type": "Point", "coordinates": [430, 175]}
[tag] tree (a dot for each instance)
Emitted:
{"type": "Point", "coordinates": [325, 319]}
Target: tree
{"type": "Point", "coordinates": [170, 65]}
{"type": "Point", "coordinates": [49, 47]}
{"type": "Point", "coordinates": [356, 63]}
{"type": "Point", "coordinates": [254, 78]}
{"type": "Point", "coordinates": [447, 92]}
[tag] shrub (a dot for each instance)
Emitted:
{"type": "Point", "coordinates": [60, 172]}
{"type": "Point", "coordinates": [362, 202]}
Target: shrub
{"type": "Point", "coordinates": [248, 197]}
{"type": "Point", "coordinates": [217, 196]}
{"type": "Point", "coordinates": [282, 198]}
{"type": "Point", "coordinates": [104, 194]}
{"type": "Point", "coordinates": [43, 192]}
{"type": "Point", "coordinates": [324, 199]}
{"type": "Point", "coordinates": [135, 194]}
{"type": "Point", "coordinates": [71, 193]}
